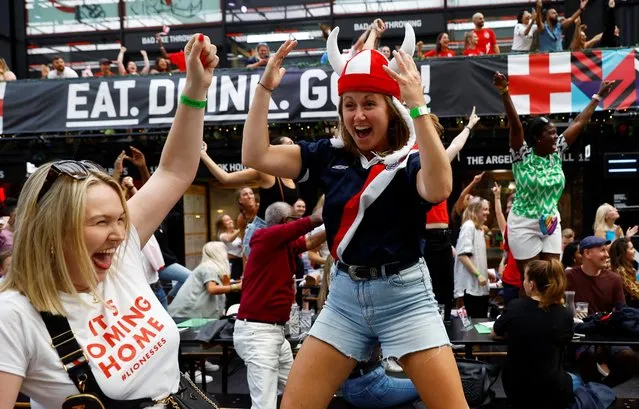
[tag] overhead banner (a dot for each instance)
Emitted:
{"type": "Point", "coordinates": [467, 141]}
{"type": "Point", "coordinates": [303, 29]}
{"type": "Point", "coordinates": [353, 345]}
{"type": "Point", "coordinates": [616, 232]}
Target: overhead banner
{"type": "Point", "coordinates": [539, 84]}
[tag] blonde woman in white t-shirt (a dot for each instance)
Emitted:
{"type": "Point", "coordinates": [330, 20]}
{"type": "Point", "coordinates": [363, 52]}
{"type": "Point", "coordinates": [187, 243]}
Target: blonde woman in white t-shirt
{"type": "Point", "coordinates": [77, 253]}
{"type": "Point", "coordinates": [471, 267]}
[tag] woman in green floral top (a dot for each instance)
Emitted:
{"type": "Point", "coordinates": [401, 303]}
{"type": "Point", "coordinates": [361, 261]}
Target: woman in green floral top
{"type": "Point", "coordinates": [534, 225]}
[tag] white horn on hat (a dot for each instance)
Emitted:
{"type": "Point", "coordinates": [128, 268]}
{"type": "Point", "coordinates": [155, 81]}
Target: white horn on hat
{"type": "Point", "coordinates": [408, 46]}
{"type": "Point", "coordinates": [335, 57]}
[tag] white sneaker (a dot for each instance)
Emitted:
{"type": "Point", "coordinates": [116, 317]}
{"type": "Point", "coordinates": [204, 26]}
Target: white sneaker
{"type": "Point", "coordinates": [198, 377]}
{"type": "Point", "coordinates": [211, 367]}
{"type": "Point", "coordinates": [391, 365]}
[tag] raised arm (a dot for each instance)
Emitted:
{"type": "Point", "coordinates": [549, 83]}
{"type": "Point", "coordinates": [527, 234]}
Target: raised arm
{"type": "Point", "coordinates": [458, 207]}
{"type": "Point", "coordinates": [145, 69]}
{"type": "Point", "coordinates": [181, 153]}
{"type": "Point", "coordinates": [236, 179]}
{"type": "Point", "coordinates": [460, 140]}
{"type": "Point", "coordinates": [532, 21]}
{"type": "Point", "coordinates": [435, 178]}
{"type": "Point", "coordinates": [120, 60]}
{"type": "Point", "coordinates": [499, 214]}
{"type": "Point", "coordinates": [593, 41]}
{"type": "Point", "coordinates": [163, 53]}
{"type": "Point", "coordinates": [139, 161]}
{"type": "Point", "coordinates": [516, 134]}
{"type": "Point", "coordinates": [118, 166]}
{"type": "Point", "coordinates": [376, 32]}
{"type": "Point", "coordinates": [282, 160]}
{"type": "Point", "coordinates": [538, 15]}
{"type": "Point", "coordinates": [570, 20]}
{"type": "Point", "coordinates": [315, 240]}
{"type": "Point", "coordinates": [575, 43]}
{"type": "Point", "coordinates": [580, 122]}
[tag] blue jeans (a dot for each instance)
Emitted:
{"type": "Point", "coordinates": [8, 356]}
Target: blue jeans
{"type": "Point", "coordinates": [376, 390]}
{"type": "Point", "coordinates": [175, 272]}
{"type": "Point", "coordinates": [160, 294]}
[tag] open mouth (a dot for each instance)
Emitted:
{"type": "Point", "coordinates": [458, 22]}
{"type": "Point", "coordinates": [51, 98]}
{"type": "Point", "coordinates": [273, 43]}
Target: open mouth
{"type": "Point", "coordinates": [103, 259]}
{"type": "Point", "coordinates": [363, 131]}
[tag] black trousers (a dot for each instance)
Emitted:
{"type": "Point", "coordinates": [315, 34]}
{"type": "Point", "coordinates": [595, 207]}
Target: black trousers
{"type": "Point", "coordinates": [439, 259]}
{"type": "Point", "coordinates": [476, 307]}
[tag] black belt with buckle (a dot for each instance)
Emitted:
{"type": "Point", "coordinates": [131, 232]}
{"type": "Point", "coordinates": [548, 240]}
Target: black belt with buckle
{"type": "Point", "coordinates": [363, 273]}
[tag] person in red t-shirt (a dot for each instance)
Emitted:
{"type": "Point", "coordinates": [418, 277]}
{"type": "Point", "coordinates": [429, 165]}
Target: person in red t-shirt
{"type": "Point", "coordinates": [487, 41]}
{"type": "Point", "coordinates": [267, 295]}
{"type": "Point", "coordinates": [177, 59]}
{"type": "Point", "coordinates": [470, 44]}
{"type": "Point", "coordinates": [441, 48]}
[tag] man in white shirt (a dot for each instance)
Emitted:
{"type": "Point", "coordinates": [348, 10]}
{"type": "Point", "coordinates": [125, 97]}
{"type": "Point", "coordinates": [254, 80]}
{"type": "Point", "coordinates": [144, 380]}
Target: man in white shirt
{"type": "Point", "coordinates": [60, 70]}
{"type": "Point", "coordinates": [524, 31]}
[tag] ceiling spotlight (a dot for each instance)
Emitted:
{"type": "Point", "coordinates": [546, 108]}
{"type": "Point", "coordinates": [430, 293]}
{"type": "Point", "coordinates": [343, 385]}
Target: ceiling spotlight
{"type": "Point", "coordinates": [243, 9]}
{"type": "Point", "coordinates": [231, 4]}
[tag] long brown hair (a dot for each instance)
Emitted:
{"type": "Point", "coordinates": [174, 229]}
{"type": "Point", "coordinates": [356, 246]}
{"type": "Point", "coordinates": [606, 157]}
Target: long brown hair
{"type": "Point", "coordinates": [549, 279]}
{"type": "Point", "coordinates": [326, 283]}
{"type": "Point", "coordinates": [398, 132]}
{"type": "Point", "coordinates": [618, 258]}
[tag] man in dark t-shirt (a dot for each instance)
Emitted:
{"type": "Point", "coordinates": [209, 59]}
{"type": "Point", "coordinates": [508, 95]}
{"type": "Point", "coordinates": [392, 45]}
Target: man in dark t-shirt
{"type": "Point", "coordinates": [593, 282]}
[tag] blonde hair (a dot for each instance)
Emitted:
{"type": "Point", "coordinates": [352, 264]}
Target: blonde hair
{"type": "Point", "coordinates": [398, 133]}
{"type": "Point", "coordinates": [326, 283]}
{"type": "Point", "coordinates": [3, 65]}
{"type": "Point", "coordinates": [214, 256]}
{"type": "Point", "coordinates": [468, 39]}
{"type": "Point", "coordinates": [474, 207]}
{"type": "Point", "coordinates": [44, 230]}
{"type": "Point", "coordinates": [600, 217]}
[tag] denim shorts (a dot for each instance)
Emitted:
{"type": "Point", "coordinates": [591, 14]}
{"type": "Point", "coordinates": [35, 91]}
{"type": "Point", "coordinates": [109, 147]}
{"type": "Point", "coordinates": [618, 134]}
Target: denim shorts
{"type": "Point", "coordinates": [399, 311]}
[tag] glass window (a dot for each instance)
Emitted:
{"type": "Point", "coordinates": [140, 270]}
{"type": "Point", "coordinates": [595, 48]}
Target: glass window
{"type": "Point", "coordinates": [244, 14]}
{"type": "Point", "coordinates": [157, 13]}
{"type": "Point", "coordinates": [381, 6]}
{"type": "Point", "coordinates": [68, 16]}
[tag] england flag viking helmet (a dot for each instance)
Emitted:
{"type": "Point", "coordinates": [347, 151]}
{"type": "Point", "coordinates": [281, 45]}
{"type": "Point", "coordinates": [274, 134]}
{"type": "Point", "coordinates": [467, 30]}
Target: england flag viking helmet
{"type": "Point", "coordinates": [364, 73]}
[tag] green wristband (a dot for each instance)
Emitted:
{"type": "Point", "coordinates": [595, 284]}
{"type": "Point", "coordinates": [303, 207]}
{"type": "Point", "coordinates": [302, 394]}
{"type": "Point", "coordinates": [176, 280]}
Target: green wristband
{"type": "Point", "coordinates": [193, 103]}
{"type": "Point", "coordinates": [478, 273]}
{"type": "Point", "coordinates": [419, 111]}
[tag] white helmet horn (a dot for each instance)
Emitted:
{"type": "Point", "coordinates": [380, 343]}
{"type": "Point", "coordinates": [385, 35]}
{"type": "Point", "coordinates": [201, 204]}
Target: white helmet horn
{"type": "Point", "coordinates": [408, 46]}
{"type": "Point", "coordinates": [335, 57]}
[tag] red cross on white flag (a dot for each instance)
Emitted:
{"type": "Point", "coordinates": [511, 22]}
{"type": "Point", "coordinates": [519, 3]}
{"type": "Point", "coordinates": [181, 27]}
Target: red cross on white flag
{"type": "Point", "coordinates": [540, 83]}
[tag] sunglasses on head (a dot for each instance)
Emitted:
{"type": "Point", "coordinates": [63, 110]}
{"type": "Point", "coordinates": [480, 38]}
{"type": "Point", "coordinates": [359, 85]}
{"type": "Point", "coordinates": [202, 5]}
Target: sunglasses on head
{"type": "Point", "coordinates": [78, 170]}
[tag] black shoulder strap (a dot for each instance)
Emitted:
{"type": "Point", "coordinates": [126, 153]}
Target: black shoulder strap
{"type": "Point", "coordinates": [75, 361]}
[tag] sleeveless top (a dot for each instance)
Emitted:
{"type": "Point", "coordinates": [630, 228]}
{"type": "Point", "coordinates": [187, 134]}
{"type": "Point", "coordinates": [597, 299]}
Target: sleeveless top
{"type": "Point", "coordinates": [273, 194]}
{"type": "Point", "coordinates": [438, 214]}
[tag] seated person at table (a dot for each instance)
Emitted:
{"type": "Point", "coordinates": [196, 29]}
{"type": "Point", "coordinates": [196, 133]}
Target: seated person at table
{"type": "Point", "coordinates": [537, 329]}
{"type": "Point", "coordinates": [202, 294]}
{"type": "Point", "coordinates": [593, 282]}
{"type": "Point", "coordinates": [602, 289]}
{"type": "Point", "coordinates": [267, 296]}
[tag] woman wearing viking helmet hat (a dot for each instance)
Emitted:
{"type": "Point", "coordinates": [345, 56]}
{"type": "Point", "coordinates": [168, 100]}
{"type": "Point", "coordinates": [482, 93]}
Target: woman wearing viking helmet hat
{"type": "Point", "coordinates": [388, 159]}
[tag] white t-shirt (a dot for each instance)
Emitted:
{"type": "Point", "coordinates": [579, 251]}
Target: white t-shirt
{"type": "Point", "coordinates": [522, 42]}
{"type": "Point", "coordinates": [67, 73]}
{"type": "Point", "coordinates": [234, 248]}
{"type": "Point", "coordinates": [132, 349]}
{"type": "Point", "coordinates": [471, 242]}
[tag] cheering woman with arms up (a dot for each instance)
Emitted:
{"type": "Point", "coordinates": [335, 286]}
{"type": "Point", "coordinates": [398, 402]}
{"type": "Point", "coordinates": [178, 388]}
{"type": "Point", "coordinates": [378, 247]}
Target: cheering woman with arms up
{"type": "Point", "coordinates": [77, 254]}
{"type": "Point", "coordinates": [385, 160]}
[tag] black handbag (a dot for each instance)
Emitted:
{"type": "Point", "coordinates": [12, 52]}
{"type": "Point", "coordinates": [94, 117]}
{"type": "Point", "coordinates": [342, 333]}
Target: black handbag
{"type": "Point", "coordinates": [91, 396]}
{"type": "Point", "coordinates": [477, 379]}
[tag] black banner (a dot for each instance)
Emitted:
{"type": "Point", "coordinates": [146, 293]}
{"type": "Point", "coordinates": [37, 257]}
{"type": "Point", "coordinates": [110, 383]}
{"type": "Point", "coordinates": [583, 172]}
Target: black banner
{"type": "Point", "coordinates": [539, 84]}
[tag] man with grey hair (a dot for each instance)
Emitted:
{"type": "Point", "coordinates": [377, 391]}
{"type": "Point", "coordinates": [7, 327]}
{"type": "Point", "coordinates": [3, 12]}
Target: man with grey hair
{"type": "Point", "coordinates": [267, 295]}
{"type": "Point", "coordinates": [487, 42]}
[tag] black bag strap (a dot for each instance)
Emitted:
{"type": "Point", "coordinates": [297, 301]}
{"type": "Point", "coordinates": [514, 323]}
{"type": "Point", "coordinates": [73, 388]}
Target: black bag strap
{"type": "Point", "coordinates": [76, 364]}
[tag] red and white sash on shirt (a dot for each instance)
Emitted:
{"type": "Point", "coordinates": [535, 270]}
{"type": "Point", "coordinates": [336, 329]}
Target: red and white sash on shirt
{"type": "Point", "coordinates": [379, 177]}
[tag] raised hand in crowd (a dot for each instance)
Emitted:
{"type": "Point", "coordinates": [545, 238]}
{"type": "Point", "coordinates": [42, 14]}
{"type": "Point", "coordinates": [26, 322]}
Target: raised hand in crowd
{"type": "Point", "coordinates": [631, 232]}
{"type": "Point", "coordinates": [118, 166]}
{"type": "Point", "coordinates": [274, 71]}
{"type": "Point", "coordinates": [473, 119]}
{"type": "Point", "coordinates": [137, 157]}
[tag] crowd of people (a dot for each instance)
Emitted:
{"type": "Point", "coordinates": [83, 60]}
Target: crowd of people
{"type": "Point", "coordinates": [91, 249]}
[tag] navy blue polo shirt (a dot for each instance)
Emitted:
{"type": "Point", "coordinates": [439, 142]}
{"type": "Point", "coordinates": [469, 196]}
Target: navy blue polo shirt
{"type": "Point", "coordinates": [390, 230]}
